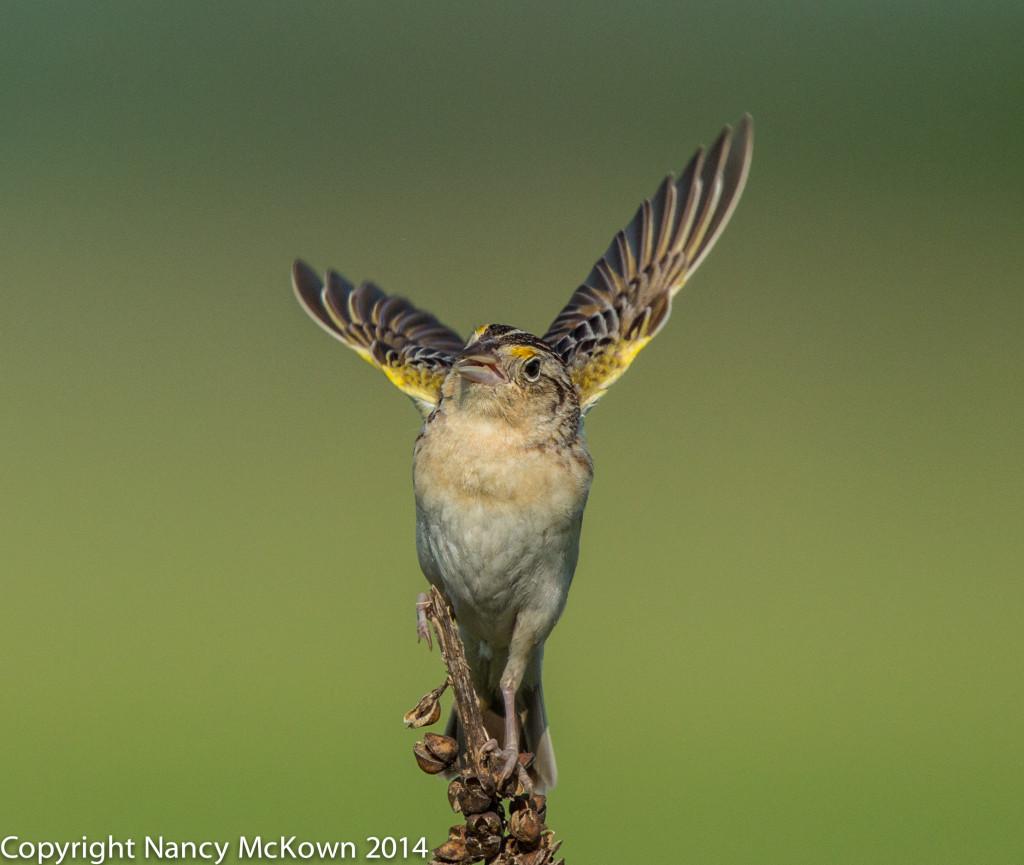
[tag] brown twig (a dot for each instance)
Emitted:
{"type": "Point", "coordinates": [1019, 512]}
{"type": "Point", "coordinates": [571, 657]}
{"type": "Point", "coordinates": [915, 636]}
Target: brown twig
{"type": "Point", "coordinates": [454, 657]}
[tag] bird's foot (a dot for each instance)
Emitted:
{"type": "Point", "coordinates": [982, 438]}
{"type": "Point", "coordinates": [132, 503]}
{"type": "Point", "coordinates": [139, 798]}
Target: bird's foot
{"type": "Point", "coordinates": [509, 763]}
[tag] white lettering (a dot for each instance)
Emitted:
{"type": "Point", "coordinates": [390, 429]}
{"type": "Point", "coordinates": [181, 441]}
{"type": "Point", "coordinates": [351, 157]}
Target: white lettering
{"type": "Point", "coordinates": [103, 852]}
{"type": "Point", "coordinates": [62, 852]}
{"type": "Point", "coordinates": [253, 852]}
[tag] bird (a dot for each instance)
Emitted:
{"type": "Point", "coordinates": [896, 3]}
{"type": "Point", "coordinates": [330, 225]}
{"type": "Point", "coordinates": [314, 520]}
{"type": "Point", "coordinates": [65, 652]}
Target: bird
{"type": "Point", "coordinates": [501, 470]}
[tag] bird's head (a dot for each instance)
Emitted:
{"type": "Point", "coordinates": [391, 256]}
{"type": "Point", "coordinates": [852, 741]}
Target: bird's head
{"type": "Point", "coordinates": [507, 373]}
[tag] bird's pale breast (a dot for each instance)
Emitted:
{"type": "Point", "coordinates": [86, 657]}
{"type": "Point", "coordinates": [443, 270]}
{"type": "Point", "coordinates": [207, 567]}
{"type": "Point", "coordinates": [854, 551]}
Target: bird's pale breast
{"type": "Point", "coordinates": [498, 521]}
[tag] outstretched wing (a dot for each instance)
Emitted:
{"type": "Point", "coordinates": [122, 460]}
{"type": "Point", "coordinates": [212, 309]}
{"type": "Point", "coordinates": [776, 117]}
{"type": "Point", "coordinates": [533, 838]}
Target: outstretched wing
{"type": "Point", "coordinates": [412, 347]}
{"type": "Point", "coordinates": [628, 295]}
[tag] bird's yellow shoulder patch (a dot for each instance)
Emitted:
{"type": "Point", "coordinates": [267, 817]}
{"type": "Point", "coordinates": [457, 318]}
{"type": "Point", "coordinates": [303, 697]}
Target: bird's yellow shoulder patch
{"type": "Point", "coordinates": [603, 369]}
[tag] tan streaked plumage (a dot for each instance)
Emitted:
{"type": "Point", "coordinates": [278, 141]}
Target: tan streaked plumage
{"type": "Point", "coordinates": [501, 472]}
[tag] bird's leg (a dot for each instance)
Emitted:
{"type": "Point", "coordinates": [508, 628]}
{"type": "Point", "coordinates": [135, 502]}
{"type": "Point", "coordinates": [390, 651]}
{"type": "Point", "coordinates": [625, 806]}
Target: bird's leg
{"type": "Point", "coordinates": [422, 625]}
{"type": "Point", "coordinates": [511, 678]}
{"type": "Point", "coordinates": [511, 751]}
{"type": "Point", "coordinates": [508, 756]}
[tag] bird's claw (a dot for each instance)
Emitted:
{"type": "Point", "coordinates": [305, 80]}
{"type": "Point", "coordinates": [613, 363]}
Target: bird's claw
{"type": "Point", "coordinates": [509, 764]}
{"type": "Point", "coordinates": [422, 623]}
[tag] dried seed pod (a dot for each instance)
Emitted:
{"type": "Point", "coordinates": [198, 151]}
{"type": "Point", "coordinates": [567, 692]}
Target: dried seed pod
{"type": "Point", "coordinates": [534, 802]}
{"type": "Point", "coordinates": [526, 827]}
{"type": "Point", "coordinates": [483, 847]}
{"type": "Point", "coordinates": [477, 794]}
{"type": "Point", "coordinates": [453, 851]}
{"type": "Point", "coordinates": [487, 823]}
{"type": "Point", "coordinates": [427, 711]}
{"type": "Point", "coordinates": [510, 786]}
{"type": "Point", "coordinates": [455, 790]}
{"type": "Point", "coordinates": [540, 856]}
{"type": "Point", "coordinates": [427, 761]}
{"type": "Point", "coordinates": [457, 833]}
{"type": "Point", "coordinates": [444, 748]}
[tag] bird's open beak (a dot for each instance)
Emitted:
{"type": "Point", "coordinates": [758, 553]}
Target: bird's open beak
{"type": "Point", "coordinates": [483, 367]}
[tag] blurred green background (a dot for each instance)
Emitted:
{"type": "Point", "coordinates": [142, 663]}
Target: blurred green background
{"type": "Point", "coordinates": [795, 634]}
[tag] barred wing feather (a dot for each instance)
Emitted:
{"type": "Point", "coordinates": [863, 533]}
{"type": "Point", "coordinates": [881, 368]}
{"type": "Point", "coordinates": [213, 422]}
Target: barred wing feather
{"type": "Point", "coordinates": [628, 296]}
{"type": "Point", "coordinates": [411, 346]}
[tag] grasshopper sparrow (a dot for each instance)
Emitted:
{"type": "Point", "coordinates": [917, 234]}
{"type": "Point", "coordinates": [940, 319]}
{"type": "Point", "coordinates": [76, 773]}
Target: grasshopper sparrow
{"type": "Point", "coordinates": [500, 468]}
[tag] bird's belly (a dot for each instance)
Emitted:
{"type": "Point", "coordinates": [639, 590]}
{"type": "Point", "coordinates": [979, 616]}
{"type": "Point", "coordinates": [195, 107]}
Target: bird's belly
{"type": "Point", "coordinates": [500, 542]}
{"type": "Point", "coordinates": [494, 564]}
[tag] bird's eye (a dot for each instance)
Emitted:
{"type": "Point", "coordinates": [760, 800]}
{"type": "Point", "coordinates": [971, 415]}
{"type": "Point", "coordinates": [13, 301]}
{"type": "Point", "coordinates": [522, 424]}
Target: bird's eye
{"type": "Point", "coordinates": [531, 369]}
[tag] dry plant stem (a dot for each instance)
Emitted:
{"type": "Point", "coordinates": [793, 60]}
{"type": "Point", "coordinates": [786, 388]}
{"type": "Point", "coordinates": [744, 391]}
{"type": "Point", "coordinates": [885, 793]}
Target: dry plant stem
{"type": "Point", "coordinates": [454, 657]}
{"type": "Point", "coordinates": [494, 833]}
